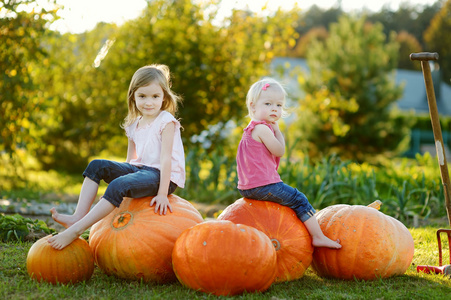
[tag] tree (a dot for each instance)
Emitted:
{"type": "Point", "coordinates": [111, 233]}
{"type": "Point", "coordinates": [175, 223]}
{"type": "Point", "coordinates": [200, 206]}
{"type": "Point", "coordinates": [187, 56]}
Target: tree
{"type": "Point", "coordinates": [407, 44]}
{"type": "Point", "coordinates": [20, 50]}
{"type": "Point", "coordinates": [80, 114]}
{"type": "Point", "coordinates": [350, 92]}
{"type": "Point", "coordinates": [438, 39]}
{"type": "Point", "coordinates": [317, 33]}
{"type": "Point", "coordinates": [412, 18]}
{"type": "Point", "coordinates": [212, 67]}
{"type": "Point", "coordinates": [317, 17]}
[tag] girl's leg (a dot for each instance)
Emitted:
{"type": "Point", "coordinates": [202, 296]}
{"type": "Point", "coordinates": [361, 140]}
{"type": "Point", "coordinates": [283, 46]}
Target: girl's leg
{"type": "Point", "coordinates": [85, 200]}
{"type": "Point", "coordinates": [99, 211]}
{"type": "Point", "coordinates": [141, 183]}
{"type": "Point", "coordinates": [318, 237]}
{"type": "Point", "coordinates": [288, 196]}
{"type": "Point", "coordinates": [144, 182]}
{"type": "Point", "coordinates": [97, 170]}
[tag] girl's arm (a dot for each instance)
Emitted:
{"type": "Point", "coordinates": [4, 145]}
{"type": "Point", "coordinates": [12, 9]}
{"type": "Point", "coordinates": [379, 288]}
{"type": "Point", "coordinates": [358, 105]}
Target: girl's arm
{"type": "Point", "coordinates": [131, 151]}
{"type": "Point", "coordinates": [275, 143]}
{"type": "Point", "coordinates": [161, 199]}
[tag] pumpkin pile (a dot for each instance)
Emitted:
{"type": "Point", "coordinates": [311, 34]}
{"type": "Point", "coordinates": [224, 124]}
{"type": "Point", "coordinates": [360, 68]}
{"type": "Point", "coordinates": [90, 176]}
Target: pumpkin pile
{"type": "Point", "coordinates": [252, 244]}
{"type": "Point", "coordinates": [223, 258]}
{"type": "Point", "coordinates": [134, 242]}
{"type": "Point", "coordinates": [288, 234]}
{"type": "Point", "coordinates": [73, 264]}
{"type": "Point", "coordinates": [374, 245]}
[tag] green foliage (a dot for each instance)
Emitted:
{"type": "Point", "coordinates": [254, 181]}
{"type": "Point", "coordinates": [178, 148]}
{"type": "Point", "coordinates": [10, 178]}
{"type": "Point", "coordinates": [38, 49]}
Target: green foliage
{"type": "Point", "coordinates": [406, 187]}
{"type": "Point", "coordinates": [82, 115]}
{"type": "Point", "coordinates": [316, 33]}
{"type": "Point", "coordinates": [211, 177]}
{"type": "Point", "coordinates": [20, 50]}
{"type": "Point", "coordinates": [86, 90]}
{"type": "Point", "coordinates": [408, 44]}
{"type": "Point", "coordinates": [19, 228]}
{"type": "Point", "coordinates": [413, 18]}
{"type": "Point", "coordinates": [349, 94]}
{"type": "Point", "coordinates": [438, 39]}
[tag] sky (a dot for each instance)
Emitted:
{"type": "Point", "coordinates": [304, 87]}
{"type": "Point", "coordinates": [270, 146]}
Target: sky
{"type": "Point", "coordinates": [80, 15]}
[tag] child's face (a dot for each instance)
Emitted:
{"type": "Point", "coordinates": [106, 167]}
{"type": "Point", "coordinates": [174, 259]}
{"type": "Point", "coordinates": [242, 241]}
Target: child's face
{"type": "Point", "coordinates": [269, 105]}
{"type": "Point", "coordinates": [149, 100]}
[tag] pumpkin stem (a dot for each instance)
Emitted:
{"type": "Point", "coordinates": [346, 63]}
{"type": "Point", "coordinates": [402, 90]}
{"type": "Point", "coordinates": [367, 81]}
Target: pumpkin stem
{"type": "Point", "coordinates": [121, 220]}
{"type": "Point", "coordinates": [276, 244]}
{"type": "Point", "coordinates": [376, 204]}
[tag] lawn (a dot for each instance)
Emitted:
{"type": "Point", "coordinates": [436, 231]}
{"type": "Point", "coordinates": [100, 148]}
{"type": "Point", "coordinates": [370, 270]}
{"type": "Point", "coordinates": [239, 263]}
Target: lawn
{"type": "Point", "coordinates": [16, 284]}
{"type": "Point", "coordinates": [406, 188]}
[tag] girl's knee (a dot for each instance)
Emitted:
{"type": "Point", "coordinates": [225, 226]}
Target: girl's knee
{"type": "Point", "coordinates": [116, 201]}
{"type": "Point", "coordinates": [96, 164]}
{"type": "Point", "coordinates": [93, 170]}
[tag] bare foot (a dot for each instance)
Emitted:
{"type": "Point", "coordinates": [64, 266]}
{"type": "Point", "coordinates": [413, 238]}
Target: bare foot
{"type": "Point", "coordinates": [65, 220]}
{"type": "Point", "coordinates": [61, 240]}
{"type": "Point", "coordinates": [324, 241]}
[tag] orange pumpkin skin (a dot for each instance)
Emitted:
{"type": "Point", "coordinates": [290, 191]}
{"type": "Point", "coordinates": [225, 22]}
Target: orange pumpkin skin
{"type": "Point", "coordinates": [374, 245]}
{"type": "Point", "coordinates": [290, 237]}
{"type": "Point", "coordinates": [72, 264]}
{"type": "Point", "coordinates": [223, 258]}
{"type": "Point", "coordinates": [134, 242]}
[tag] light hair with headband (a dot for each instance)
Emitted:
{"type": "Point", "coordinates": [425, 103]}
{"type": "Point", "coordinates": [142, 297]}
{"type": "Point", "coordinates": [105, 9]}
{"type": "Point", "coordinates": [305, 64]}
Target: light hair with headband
{"type": "Point", "coordinates": [260, 87]}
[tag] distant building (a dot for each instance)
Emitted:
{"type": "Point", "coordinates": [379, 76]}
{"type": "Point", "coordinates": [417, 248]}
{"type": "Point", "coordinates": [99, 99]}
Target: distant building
{"type": "Point", "coordinates": [414, 98]}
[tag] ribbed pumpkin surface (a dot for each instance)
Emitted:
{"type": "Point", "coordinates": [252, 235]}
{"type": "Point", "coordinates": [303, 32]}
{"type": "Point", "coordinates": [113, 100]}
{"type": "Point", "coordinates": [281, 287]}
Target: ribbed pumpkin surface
{"type": "Point", "coordinates": [374, 245]}
{"type": "Point", "coordinates": [291, 239]}
{"type": "Point", "coordinates": [72, 264]}
{"type": "Point", "coordinates": [134, 242]}
{"type": "Point", "coordinates": [223, 258]}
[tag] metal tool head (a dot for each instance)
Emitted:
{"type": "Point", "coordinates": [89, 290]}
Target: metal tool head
{"type": "Point", "coordinates": [424, 56]}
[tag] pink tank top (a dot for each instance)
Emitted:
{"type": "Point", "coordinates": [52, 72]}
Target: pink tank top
{"type": "Point", "coordinates": [256, 166]}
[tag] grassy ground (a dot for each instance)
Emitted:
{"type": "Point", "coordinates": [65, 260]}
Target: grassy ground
{"type": "Point", "coordinates": [15, 283]}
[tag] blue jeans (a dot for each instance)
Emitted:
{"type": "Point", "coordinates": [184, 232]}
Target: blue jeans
{"type": "Point", "coordinates": [125, 180]}
{"type": "Point", "coordinates": [284, 195]}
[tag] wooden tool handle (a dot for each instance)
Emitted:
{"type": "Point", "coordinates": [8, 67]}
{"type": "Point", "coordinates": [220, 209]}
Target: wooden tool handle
{"type": "Point", "coordinates": [423, 56]}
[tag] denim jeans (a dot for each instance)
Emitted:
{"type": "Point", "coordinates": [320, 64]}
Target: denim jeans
{"type": "Point", "coordinates": [284, 195]}
{"type": "Point", "coordinates": [125, 180]}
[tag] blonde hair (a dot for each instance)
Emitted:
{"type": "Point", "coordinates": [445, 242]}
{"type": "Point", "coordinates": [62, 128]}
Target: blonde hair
{"type": "Point", "coordinates": [145, 76]}
{"type": "Point", "coordinates": [260, 86]}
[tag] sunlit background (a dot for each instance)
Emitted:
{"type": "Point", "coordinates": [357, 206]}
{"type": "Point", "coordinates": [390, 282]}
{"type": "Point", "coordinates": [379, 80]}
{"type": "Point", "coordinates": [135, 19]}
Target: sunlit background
{"type": "Point", "coordinates": [358, 129]}
{"type": "Point", "coordinates": [81, 15]}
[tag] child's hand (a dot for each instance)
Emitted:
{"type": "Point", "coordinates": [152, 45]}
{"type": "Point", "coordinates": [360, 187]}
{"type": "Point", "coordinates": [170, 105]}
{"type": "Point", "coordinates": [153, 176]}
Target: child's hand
{"type": "Point", "coordinates": [275, 126]}
{"type": "Point", "coordinates": [161, 203]}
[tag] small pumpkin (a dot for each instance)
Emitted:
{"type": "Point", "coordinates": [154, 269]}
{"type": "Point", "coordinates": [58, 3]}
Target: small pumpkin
{"type": "Point", "coordinates": [134, 242]}
{"type": "Point", "coordinates": [72, 264]}
{"type": "Point", "coordinates": [223, 258]}
{"type": "Point", "coordinates": [374, 245]}
{"type": "Point", "coordinates": [289, 235]}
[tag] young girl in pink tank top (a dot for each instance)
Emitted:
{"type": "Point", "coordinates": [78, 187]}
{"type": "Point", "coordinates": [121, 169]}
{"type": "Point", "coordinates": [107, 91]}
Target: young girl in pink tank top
{"type": "Point", "coordinates": [259, 154]}
{"type": "Point", "coordinates": [155, 164]}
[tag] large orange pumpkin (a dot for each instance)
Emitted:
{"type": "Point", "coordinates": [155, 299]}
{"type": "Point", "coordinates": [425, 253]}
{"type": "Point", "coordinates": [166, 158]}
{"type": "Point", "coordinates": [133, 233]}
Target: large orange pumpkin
{"type": "Point", "coordinates": [223, 258]}
{"type": "Point", "coordinates": [291, 239]}
{"type": "Point", "coordinates": [134, 242]}
{"type": "Point", "coordinates": [374, 245]}
{"type": "Point", "coordinates": [72, 264]}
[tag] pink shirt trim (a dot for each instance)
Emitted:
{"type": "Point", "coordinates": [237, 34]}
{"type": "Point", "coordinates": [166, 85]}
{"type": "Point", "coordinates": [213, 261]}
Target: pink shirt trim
{"type": "Point", "coordinates": [148, 146]}
{"type": "Point", "coordinates": [256, 166]}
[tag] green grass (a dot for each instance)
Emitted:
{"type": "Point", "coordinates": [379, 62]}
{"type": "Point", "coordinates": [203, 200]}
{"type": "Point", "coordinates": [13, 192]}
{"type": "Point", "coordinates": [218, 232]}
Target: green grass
{"type": "Point", "coordinates": [16, 284]}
